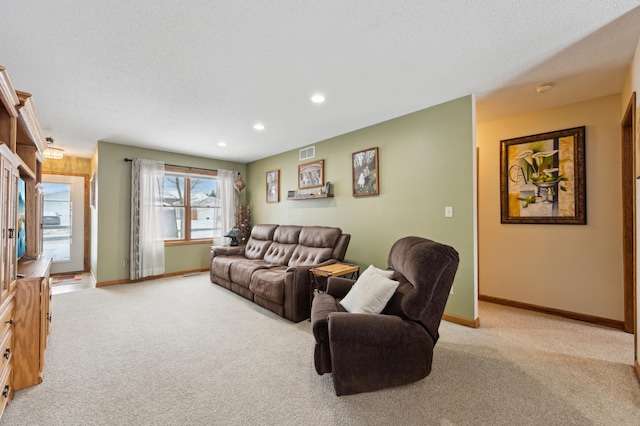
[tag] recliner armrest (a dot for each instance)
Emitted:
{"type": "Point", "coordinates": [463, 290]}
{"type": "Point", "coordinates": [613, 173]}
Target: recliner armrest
{"type": "Point", "coordinates": [338, 287]}
{"type": "Point", "coordinates": [367, 329]}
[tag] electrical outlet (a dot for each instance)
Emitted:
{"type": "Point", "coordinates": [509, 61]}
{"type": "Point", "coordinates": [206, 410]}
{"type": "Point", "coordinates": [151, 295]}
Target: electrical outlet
{"type": "Point", "coordinates": [125, 263]}
{"type": "Point", "coordinates": [448, 212]}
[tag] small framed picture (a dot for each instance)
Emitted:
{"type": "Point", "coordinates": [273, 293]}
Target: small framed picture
{"type": "Point", "coordinates": [364, 172]}
{"type": "Point", "coordinates": [273, 186]}
{"type": "Point", "coordinates": [311, 175]}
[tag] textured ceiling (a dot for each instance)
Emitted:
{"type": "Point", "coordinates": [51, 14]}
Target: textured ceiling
{"type": "Point", "coordinates": [184, 75]}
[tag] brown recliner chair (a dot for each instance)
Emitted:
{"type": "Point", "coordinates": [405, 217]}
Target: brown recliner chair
{"type": "Point", "coordinates": [367, 352]}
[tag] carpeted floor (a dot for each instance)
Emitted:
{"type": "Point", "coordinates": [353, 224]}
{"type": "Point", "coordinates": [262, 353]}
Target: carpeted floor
{"type": "Point", "coordinates": [183, 351]}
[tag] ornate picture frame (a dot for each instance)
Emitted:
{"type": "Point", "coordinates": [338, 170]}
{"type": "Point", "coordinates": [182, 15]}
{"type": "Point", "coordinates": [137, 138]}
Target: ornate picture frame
{"type": "Point", "coordinates": [273, 186]}
{"type": "Point", "coordinates": [364, 173]}
{"type": "Point", "coordinates": [311, 175]}
{"type": "Point", "coordinates": [542, 178]}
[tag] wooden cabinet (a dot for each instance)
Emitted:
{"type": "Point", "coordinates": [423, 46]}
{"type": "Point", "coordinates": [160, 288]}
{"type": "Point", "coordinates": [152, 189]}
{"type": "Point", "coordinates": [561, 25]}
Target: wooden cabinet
{"type": "Point", "coordinates": [24, 302]}
{"type": "Point", "coordinates": [31, 321]}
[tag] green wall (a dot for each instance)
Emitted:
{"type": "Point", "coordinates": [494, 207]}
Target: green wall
{"type": "Point", "coordinates": [112, 226]}
{"type": "Point", "coordinates": [426, 162]}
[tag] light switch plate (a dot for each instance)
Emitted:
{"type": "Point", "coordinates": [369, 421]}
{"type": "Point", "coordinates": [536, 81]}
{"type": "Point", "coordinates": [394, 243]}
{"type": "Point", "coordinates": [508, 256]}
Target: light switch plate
{"type": "Point", "coordinates": [448, 212]}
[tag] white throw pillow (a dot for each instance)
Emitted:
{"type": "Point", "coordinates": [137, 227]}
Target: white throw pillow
{"type": "Point", "coordinates": [384, 272]}
{"type": "Point", "coordinates": [371, 292]}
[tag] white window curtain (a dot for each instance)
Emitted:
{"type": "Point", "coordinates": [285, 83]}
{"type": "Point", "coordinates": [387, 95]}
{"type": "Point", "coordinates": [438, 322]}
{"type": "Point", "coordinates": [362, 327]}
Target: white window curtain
{"type": "Point", "coordinates": [228, 199]}
{"type": "Point", "coordinates": [147, 240]}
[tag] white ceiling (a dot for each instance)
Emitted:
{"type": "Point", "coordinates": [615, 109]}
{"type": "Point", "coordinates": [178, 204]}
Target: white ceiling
{"type": "Point", "coordinates": [182, 76]}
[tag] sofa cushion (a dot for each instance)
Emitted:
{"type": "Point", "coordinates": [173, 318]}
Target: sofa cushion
{"type": "Point", "coordinates": [371, 292]}
{"type": "Point", "coordinates": [319, 236]}
{"type": "Point", "coordinates": [260, 240]}
{"type": "Point", "coordinates": [316, 244]}
{"type": "Point", "coordinates": [221, 265]}
{"type": "Point", "coordinates": [263, 231]}
{"type": "Point", "coordinates": [287, 234]}
{"type": "Point", "coordinates": [279, 253]}
{"type": "Point", "coordinates": [269, 283]}
{"type": "Point", "coordinates": [256, 249]}
{"type": "Point", "coordinates": [285, 240]}
{"type": "Point", "coordinates": [304, 255]}
{"type": "Point", "coordinates": [242, 270]}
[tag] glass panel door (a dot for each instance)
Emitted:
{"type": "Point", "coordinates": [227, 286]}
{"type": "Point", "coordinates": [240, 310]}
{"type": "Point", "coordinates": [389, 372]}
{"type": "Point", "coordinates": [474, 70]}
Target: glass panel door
{"type": "Point", "coordinates": [63, 222]}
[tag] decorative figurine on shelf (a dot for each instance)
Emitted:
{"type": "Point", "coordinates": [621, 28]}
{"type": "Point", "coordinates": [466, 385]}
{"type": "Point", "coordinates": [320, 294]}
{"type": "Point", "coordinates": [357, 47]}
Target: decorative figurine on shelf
{"type": "Point", "coordinates": [244, 222]}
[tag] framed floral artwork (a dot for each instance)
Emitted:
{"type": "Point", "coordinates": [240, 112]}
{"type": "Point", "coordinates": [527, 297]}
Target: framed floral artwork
{"type": "Point", "coordinates": [273, 186]}
{"type": "Point", "coordinates": [542, 178]}
{"type": "Point", "coordinates": [364, 172]}
{"type": "Point", "coordinates": [311, 175]}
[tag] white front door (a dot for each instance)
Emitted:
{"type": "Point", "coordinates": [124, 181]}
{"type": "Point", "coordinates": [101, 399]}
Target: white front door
{"type": "Point", "coordinates": [63, 222]}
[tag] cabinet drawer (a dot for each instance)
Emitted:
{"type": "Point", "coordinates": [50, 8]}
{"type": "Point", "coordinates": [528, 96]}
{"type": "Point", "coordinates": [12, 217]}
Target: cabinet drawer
{"type": "Point", "coordinates": [6, 392]}
{"type": "Point", "coordinates": [6, 317]}
{"type": "Point", "coordinates": [6, 349]}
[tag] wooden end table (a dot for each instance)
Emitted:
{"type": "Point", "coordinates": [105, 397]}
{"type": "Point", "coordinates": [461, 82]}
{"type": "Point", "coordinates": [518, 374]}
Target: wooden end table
{"type": "Point", "coordinates": [333, 270]}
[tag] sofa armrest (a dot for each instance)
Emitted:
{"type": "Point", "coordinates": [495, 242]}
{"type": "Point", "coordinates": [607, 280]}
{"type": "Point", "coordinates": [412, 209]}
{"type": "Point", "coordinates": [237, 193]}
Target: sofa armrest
{"type": "Point", "coordinates": [367, 329]}
{"type": "Point", "coordinates": [338, 287]}
{"type": "Point", "coordinates": [304, 269]}
{"type": "Point", "coordinates": [297, 291]}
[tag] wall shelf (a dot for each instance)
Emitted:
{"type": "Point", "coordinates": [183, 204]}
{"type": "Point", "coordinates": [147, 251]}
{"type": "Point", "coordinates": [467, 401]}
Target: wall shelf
{"type": "Point", "coordinates": [309, 197]}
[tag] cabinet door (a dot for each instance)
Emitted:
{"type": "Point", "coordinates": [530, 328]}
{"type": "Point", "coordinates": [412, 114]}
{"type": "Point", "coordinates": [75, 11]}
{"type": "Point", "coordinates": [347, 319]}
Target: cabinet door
{"type": "Point", "coordinates": [12, 222]}
{"type": "Point", "coordinates": [5, 187]}
{"type": "Point", "coordinates": [39, 223]}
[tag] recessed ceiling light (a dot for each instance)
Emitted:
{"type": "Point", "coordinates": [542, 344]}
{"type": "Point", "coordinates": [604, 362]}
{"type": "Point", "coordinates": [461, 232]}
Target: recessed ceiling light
{"type": "Point", "coordinates": [222, 144]}
{"type": "Point", "coordinates": [258, 126]}
{"type": "Point", "coordinates": [544, 87]}
{"type": "Point", "coordinates": [318, 98]}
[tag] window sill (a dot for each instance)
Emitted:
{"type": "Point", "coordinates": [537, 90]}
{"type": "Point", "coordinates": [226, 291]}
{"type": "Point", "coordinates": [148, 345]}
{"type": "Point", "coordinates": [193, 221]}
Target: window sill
{"type": "Point", "coordinates": [169, 243]}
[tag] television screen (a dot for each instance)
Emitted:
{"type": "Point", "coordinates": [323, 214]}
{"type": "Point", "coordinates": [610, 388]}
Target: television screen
{"type": "Point", "coordinates": [22, 225]}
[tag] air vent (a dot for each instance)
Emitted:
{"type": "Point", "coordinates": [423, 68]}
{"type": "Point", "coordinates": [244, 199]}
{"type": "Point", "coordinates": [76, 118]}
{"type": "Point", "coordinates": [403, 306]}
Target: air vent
{"type": "Point", "coordinates": [307, 153]}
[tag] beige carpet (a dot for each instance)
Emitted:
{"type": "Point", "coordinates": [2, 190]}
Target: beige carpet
{"type": "Point", "coordinates": [183, 351]}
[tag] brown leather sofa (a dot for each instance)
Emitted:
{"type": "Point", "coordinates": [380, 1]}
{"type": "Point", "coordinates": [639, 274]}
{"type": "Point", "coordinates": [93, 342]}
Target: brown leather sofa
{"type": "Point", "coordinates": [272, 269]}
{"type": "Point", "coordinates": [367, 352]}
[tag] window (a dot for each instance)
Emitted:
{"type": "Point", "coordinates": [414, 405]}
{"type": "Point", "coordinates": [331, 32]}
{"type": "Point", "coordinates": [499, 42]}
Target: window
{"type": "Point", "coordinates": [191, 209]}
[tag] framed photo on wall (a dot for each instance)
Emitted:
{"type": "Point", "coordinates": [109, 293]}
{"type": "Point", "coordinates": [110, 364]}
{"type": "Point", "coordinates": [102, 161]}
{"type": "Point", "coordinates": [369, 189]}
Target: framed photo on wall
{"type": "Point", "coordinates": [364, 172]}
{"type": "Point", "coordinates": [273, 186]}
{"type": "Point", "coordinates": [311, 175]}
{"type": "Point", "coordinates": [542, 178]}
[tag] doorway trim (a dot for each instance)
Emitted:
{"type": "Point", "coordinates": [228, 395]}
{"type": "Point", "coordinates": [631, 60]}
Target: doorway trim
{"type": "Point", "coordinates": [87, 216]}
{"type": "Point", "coordinates": [629, 214]}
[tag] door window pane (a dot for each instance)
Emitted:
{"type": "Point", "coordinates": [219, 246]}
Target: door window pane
{"type": "Point", "coordinates": [56, 221]}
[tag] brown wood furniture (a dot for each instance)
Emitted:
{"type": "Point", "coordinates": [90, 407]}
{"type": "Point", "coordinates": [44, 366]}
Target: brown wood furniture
{"type": "Point", "coordinates": [32, 321]}
{"type": "Point", "coordinates": [24, 285]}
